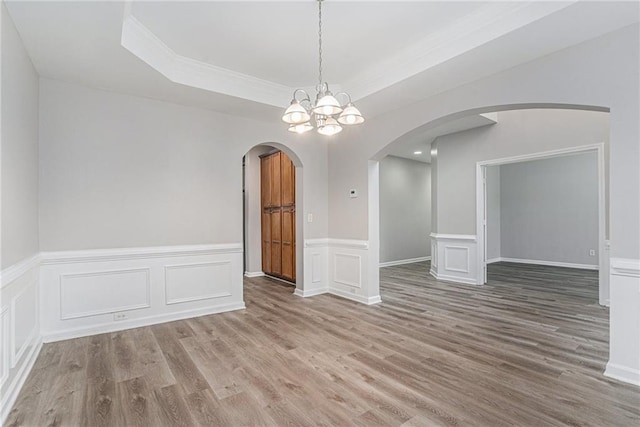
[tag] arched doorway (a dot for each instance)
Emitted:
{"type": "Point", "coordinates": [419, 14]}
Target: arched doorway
{"type": "Point", "coordinates": [252, 209]}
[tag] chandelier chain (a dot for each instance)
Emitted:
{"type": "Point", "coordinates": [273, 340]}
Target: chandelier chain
{"type": "Point", "coordinates": [319, 44]}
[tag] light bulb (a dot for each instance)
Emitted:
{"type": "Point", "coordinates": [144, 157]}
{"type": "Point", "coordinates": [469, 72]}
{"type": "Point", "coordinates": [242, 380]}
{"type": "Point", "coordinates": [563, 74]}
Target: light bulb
{"type": "Point", "coordinates": [327, 110]}
{"type": "Point", "coordinates": [351, 119]}
{"type": "Point", "coordinates": [296, 116]}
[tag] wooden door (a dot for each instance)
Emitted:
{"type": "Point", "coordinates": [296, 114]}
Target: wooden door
{"type": "Point", "coordinates": [276, 241]}
{"type": "Point", "coordinates": [288, 243]}
{"type": "Point", "coordinates": [266, 241]}
{"type": "Point", "coordinates": [276, 180]}
{"type": "Point", "coordinates": [288, 172]}
{"type": "Point", "coordinates": [265, 181]}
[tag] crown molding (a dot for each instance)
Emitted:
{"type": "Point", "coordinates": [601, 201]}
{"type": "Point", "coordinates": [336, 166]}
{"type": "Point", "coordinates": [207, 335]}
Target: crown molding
{"type": "Point", "coordinates": [475, 29]}
{"type": "Point", "coordinates": [144, 44]}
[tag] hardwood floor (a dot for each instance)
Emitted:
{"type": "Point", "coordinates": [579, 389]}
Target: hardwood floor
{"type": "Point", "coordinates": [529, 348]}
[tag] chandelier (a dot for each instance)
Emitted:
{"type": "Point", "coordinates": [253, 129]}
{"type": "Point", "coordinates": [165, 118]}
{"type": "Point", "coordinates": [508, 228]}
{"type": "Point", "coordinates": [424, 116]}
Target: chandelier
{"type": "Point", "coordinates": [326, 112]}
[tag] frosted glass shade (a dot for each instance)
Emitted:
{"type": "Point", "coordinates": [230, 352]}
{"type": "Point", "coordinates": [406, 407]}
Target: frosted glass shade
{"type": "Point", "coordinates": [328, 105]}
{"type": "Point", "coordinates": [300, 128]}
{"type": "Point", "coordinates": [295, 114]}
{"type": "Point", "coordinates": [329, 127]}
{"type": "Point", "coordinates": [351, 116]}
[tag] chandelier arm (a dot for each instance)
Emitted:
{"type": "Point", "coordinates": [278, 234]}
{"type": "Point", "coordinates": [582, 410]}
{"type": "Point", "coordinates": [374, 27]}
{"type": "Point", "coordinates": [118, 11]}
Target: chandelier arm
{"type": "Point", "coordinates": [304, 98]}
{"type": "Point", "coordinates": [346, 95]}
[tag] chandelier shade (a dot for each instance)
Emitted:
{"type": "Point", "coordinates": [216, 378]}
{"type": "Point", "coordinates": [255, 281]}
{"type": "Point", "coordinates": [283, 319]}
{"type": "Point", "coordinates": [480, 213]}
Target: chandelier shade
{"type": "Point", "coordinates": [295, 114]}
{"type": "Point", "coordinates": [327, 113]}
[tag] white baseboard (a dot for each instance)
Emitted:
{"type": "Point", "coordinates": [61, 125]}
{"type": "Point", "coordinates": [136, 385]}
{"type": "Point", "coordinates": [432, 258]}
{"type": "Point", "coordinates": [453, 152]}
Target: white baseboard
{"type": "Point", "coordinates": [354, 297]}
{"type": "Point", "coordinates": [253, 274]}
{"type": "Point", "coordinates": [136, 323]}
{"type": "Point", "coordinates": [492, 260]}
{"type": "Point", "coordinates": [11, 392]}
{"type": "Point", "coordinates": [404, 261]}
{"type": "Point", "coordinates": [548, 263]}
{"type": "Point", "coordinates": [455, 279]}
{"type": "Point", "coordinates": [310, 293]}
{"type": "Point", "coordinates": [338, 293]}
{"type": "Point", "coordinates": [622, 373]}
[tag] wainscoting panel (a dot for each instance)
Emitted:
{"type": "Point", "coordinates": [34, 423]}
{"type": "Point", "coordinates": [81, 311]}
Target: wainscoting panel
{"type": "Point", "coordinates": [108, 290]}
{"type": "Point", "coordinates": [347, 269]}
{"type": "Point", "coordinates": [195, 282]}
{"type": "Point", "coordinates": [624, 321]}
{"type": "Point", "coordinates": [99, 292]}
{"type": "Point", "coordinates": [454, 258]}
{"type": "Point", "coordinates": [20, 340]}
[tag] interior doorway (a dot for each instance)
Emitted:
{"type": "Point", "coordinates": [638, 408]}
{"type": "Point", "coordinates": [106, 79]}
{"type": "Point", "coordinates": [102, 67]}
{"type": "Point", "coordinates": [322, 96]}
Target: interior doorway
{"type": "Point", "coordinates": [272, 206]}
{"type": "Point", "coordinates": [486, 252]}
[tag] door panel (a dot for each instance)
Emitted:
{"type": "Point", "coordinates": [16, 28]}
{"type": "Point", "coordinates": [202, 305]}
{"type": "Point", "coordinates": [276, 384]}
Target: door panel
{"type": "Point", "coordinates": [266, 241]}
{"type": "Point", "coordinates": [288, 181]}
{"type": "Point", "coordinates": [276, 241]}
{"type": "Point", "coordinates": [265, 181]}
{"type": "Point", "coordinates": [276, 180]}
{"type": "Point", "coordinates": [288, 250]}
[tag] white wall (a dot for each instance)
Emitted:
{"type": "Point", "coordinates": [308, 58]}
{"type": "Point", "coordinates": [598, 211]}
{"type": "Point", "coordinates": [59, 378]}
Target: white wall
{"type": "Point", "coordinates": [19, 148]}
{"type": "Point", "coordinates": [123, 171]}
{"type": "Point", "coordinates": [405, 209]}
{"type": "Point", "coordinates": [493, 212]}
{"type": "Point", "coordinates": [602, 73]}
{"type": "Point", "coordinates": [549, 210]}
{"type": "Point", "coordinates": [19, 319]}
{"type": "Point", "coordinates": [517, 132]}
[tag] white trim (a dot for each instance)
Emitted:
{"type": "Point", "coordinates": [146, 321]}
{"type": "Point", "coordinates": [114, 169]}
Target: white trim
{"type": "Point", "coordinates": [622, 373]}
{"type": "Point", "coordinates": [357, 298]}
{"type": "Point", "coordinates": [10, 393]}
{"type": "Point", "coordinates": [625, 267]}
{"type": "Point", "coordinates": [251, 274]}
{"type": "Point", "coordinates": [349, 243]}
{"type": "Point", "coordinates": [547, 263]}
{"type": "Point", "coordinates": [48, 337]}
{"type": "Point", "coordinates": [466, 237]}
{"type": "Point", "coordinates": [455, 279]}
{"type": "Point", "coordinates": [494, 260]}
{"type": "Point", "coordinates": [310, 293]}
{"type": "Point", "coordinates": [13, 272]}
{"type": "Point", "coordinates": [93, 255]}
{"type": "Point", "coordinates": [316, 243]}
{"type": "Point", "coordinates": [404, 261]}
{"type": "Point", "coordinates": [5, 345]}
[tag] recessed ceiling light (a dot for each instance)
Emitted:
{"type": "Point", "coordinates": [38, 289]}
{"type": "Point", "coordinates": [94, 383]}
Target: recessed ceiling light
{"type": "Point", "coordinates": [417, 152]}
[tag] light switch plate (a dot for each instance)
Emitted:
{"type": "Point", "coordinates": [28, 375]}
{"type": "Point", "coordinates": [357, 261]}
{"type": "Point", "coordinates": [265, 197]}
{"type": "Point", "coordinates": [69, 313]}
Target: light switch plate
{"type": "Point", "coordinates": [309, 217]}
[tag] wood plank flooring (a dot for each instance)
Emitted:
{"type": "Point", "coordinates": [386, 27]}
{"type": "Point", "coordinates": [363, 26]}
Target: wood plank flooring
{"type": "Point", "coordinates": [527, 349]}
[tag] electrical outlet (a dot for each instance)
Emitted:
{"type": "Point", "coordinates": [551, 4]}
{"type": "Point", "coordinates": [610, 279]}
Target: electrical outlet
{"type": "Point", "coordinates": [592, 252]}
{"type": "Point", "coordinates": [119, 316]}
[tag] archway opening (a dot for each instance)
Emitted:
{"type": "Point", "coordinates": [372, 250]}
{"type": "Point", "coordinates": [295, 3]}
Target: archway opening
{"type": "Point", "coordinates": [272, 214]}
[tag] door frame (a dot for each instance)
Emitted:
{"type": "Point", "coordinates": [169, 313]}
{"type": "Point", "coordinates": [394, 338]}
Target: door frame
{"type": "Point", "coordinates": [481, 229]}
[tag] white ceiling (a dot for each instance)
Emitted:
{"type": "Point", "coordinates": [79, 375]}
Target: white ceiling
{"type": "Point", "coordinates": [408, 147]}
{"type": "Point", "coordinates": [244, 58]}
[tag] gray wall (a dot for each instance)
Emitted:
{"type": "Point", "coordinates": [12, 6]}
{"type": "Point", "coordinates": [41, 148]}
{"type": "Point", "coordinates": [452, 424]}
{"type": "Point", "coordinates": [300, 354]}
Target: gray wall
{"type": "Point", "coordinates": [405, 209]}
{"type": "Point", "coordinates": [493, 212]}
{"type": "Point", "coordinates": [602, 72]}
{"type": "Point", "coordinates": [19, 148]}
{"type": "Point", "coordinates": [124, 171]}
{"type": "Point", "coordinates": [549, 209]}
{"type": "Point", "coordinates": [517, 132]}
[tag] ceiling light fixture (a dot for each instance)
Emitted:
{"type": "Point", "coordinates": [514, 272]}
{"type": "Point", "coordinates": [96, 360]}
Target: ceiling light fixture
{"type": "Point", "coordinates": [327, 112]}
